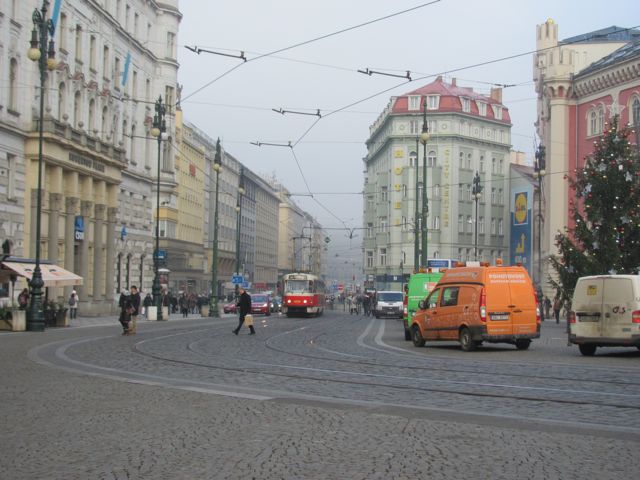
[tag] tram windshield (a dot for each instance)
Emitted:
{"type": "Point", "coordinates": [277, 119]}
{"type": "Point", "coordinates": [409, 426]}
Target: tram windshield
{"type": "Point", "coordinates": [297, 286]}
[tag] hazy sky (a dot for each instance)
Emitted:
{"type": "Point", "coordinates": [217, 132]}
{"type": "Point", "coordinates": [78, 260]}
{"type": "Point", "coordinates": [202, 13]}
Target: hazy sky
{"type": "Point", "coordinates": [447, 37]}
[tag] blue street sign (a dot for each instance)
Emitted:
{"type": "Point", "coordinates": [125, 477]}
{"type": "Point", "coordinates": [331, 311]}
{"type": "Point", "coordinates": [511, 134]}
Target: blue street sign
{"type": "Point", "coordinates": [237, 279]}
{"type": "Point", "coordinates": [161, 254]}
{"type": "Point", "coordinates": [245, 285]}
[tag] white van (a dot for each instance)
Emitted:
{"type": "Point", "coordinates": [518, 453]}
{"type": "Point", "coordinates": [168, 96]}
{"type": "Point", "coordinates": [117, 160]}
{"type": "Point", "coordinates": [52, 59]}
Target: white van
{"type": "Point", "coordinates": [389, 304]}
{"type": "Point", "coordinates": [605, 312]}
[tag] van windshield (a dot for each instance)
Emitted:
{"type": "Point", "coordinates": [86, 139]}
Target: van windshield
{"type": "Point", "coordinates": [390, 296]}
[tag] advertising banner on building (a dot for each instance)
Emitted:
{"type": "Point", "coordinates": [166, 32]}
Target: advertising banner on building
{"type": "Point", "coordinates": [521, 212]}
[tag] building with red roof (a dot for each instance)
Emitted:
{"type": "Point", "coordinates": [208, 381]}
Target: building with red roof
{"type": "Point", "coordinates": [469, 133]}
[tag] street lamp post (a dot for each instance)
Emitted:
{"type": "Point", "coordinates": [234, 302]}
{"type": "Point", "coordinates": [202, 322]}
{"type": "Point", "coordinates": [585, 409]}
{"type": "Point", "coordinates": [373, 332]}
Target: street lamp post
{"type": "Point", "coordinates": [424, 137]}
{"type": "Point", "coordinates": [213, 304]}
{"type": "Point", "coordinates": [239, 220]}
{"type": "Point", "coordinates": [41, 50]}
{"type": "Point", "coordinates": [159, 130]}
{"type": "Point", "coordinates": [477, 193]}
{"type": "Point", "coordinates": [416, 239]}
{"type": "Point", "coordinates": [539, 169]}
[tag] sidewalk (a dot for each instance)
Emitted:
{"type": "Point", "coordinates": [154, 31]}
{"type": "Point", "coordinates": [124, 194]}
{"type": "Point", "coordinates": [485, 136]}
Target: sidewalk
{"type": "Point", "coordinates": [113, 319]}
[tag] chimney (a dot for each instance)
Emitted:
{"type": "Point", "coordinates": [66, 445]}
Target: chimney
{"type": "Point", "coordinates": [496, 94]}
{"type": "Point", "coordinates": [453, 82]}
{"type": "Point", "coordinates": [439, 78]}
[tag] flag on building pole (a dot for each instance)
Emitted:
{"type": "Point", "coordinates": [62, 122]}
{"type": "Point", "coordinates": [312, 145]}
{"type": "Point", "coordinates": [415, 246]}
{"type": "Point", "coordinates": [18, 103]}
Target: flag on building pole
{"type": "Point", "coordinates": [55, 14]}
{"type": "Point", "coordinates": [125, 73]}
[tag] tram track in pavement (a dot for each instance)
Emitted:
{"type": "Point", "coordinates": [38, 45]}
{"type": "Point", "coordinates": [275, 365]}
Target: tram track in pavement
{"type": "Point", "coordinates": [258, 368]}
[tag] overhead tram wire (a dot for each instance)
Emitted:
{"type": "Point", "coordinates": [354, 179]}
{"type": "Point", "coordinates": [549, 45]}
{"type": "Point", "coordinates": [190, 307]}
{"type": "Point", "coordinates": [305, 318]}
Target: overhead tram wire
{"type": "Point", "coordinates": [306, 42]}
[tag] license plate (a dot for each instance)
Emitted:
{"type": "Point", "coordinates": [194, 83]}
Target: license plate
{"type": "Point", "coordinates": [499, 316]}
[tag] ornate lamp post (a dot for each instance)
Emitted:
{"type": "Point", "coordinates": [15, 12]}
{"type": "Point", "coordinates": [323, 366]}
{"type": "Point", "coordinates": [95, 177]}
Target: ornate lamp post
{"type": "Point", "coordinates": [416, 239]}
{"type": "Point", "coordinates": [213, 304]}
{"type": "Point", "coordinates": [238, 223]}
{"type": "Point", "coordinates": [477, 193]}
{"type": "Point", "coordinates": [42, 50]}
{"type": "Point", "coordinates": [159, 130]}
{"type": "Point", "coordinates": [539, 168]}
{"type": "Point", "coordinates": [424, 137]}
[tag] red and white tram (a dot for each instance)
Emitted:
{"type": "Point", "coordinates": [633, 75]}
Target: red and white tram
{"type": "Point", "coordinates": [303, 294]}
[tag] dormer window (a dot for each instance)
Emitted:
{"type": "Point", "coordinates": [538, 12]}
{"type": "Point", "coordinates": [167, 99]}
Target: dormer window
{"type": "Point", "coordinates": [466, 104]}
{"type": "Point", "coordinates": [482, 108]}
{"type": "Point", "coordinates": [497, 112]}
{"type": "Point", "coordinates": [414, 102]}
{"type": "Point", "coordinates": [433, 102]}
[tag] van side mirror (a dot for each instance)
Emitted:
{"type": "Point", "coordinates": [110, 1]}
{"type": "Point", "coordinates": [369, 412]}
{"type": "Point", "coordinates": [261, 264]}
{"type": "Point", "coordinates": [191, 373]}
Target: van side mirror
{"type": "Point", "coordinates": [422, 305]}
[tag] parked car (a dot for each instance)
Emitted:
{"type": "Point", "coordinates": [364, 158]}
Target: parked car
{"type": "Point", "coordinates": [229, 307]}
{"type": "Point", "coordinates": [261, 303]}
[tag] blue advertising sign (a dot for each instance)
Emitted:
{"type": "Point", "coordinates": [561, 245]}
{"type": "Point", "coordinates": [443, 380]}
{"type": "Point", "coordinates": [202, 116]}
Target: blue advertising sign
{"type": "Point", "coordinates": [521, 228]}
{"type": "Point", "coordinates": [79, 228]}
{"type": "Point", "coordinates": [237, 279]}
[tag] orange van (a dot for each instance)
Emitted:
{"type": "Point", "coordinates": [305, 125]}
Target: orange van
{"type": "Point", "coordinates": [481, 303]}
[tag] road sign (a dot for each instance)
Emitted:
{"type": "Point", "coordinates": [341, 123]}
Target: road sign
{"type": "Point", "coordinates": [245, 285]}
{"type": "Point", "coordinates": [237, 279]}
{"type": "Point", "coordinates": [161, 254]}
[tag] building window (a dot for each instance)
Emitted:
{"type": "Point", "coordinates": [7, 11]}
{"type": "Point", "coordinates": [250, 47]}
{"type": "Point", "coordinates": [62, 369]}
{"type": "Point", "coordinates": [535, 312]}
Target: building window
{"type": "Point", "coordinates": [493, 196]}
{"type": "Point", "coordinates": [13, 85]}
{"type": "Point", "coordinates": [482, 163]}
{"type": "Point", "coordinates": [419, 191]}
{"type": "Point", "coordinates": [493, 165]}
{"type": "Point", "coordinates": [105, 62]}
{"type": "Point", "coordinates": [103, 123]}
{"type": "Point", "coordinates": [431, 159]}
{"type": "Point", "coordinates": [369, 259]}
{"type": "Point", "coordinates": [600, 120]}
{"type": "Point", "coordinates": [133, 153]}
{"type": "Point", "coordinates": [436, 190]}
{"type": "Point", "coordinates": [76, 110]}
{"type": "Point", "coordinates": [169, 98]}
{"type": "Point", "coordinates": [383, 257]}
{"type": "Point", "coordinates": [413, 158]}
{"type": "Point", "coordinates": [481, 225]}
{"type": "Point", "coordinates": [134, 85]}
{"type": "Point", "coordinates": [63, 32]}
{"type": "Point", "coordinates": [92, 116]}
{"type": "Point", "coordinates": [136, 21]}
{"type": "Point", "coordinates": [469, 224]}
{"type": "Point", "coordinates": [11, 168]}
{"type": "Point", "coordinates": [500, 227]}
{"type": "Point", "coordinates": [468, 196]}
{"type": "Point", "coordinates": [592, 123]}
{"type": "Point", "coordinates": [414, 102]}
{"type": "Point", "coordinates": [404, 191]}
{"type": "Point", "coordinates": [498, 112]}
{"type": "Point", "coordinates": [384, 194]}
{"type": "Point", "coordinates": [436, 223]}
{"type": "Point", "coordinates": [466, 105]}
{"type": "Point", "coordinates": [501, 166]}
{"type": "Point", "coordinates": [413, 127]}
{"type": "Point", "coordinates": [482, 108]}
{"type": "Point", "coordinates": [384, 224]}
{"type": "Point", "coordinates": [171, 44]}
{"type": "Point", "coordinates": [468, 164]}
{"type": "Point", "coordinates": [460, 224]}
{"type": "Point", "coordinates": [403, 224]}
{"type": "Point", "coordinates": [432, 102]}
{"type": "Point", "coordinates": [78, 43]}
{"type": "Point", "coordinates": [493, 226]}
{"type": "Point", "coordinates": [635, 112]}
{"type": "Point", "coordinates": [92, 52]}
{"type": "Point", "coordinates": [370, 230]}
{"type": "Point", "coordinates": [62, 96]}
{"type": "Point", "coordinates": [500, 197]}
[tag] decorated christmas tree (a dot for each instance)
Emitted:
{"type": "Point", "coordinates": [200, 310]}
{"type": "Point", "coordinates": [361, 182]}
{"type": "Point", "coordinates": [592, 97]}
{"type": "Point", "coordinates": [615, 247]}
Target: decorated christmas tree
{"type": "Point", "coordinates": [605, 236]}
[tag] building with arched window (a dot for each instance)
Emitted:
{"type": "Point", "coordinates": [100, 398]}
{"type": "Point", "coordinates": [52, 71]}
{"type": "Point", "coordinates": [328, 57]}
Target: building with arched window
{"type": "Point", "coordinates": [465, 128]}
{"type": "Point", "coordinates": [582, 83]}
{"type": "Point", "coordinates": [98, 155]}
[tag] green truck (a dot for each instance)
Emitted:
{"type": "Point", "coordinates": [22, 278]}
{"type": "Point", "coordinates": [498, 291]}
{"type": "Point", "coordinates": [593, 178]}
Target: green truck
{"type": "Point", "coordinates": [419, 286]}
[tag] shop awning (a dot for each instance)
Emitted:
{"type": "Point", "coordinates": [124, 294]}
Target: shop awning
{"type": "Point", "coordinates": [53, 275]}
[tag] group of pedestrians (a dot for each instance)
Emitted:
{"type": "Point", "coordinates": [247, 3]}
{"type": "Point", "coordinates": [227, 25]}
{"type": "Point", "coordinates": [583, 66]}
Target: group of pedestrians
{"type": "Point", "coordinates": [129, 304]}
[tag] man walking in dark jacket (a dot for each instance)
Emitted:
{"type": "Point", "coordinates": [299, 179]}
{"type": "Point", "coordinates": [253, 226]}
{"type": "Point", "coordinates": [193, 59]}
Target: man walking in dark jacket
{"type": "Point", "coordinates": [244, 308]}
{"type": "Point", "coordinates": [135, 309]}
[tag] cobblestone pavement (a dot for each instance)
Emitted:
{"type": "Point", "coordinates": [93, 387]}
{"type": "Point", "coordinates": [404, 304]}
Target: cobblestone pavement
{"type": "Point", "coordinates": [338, 397]}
